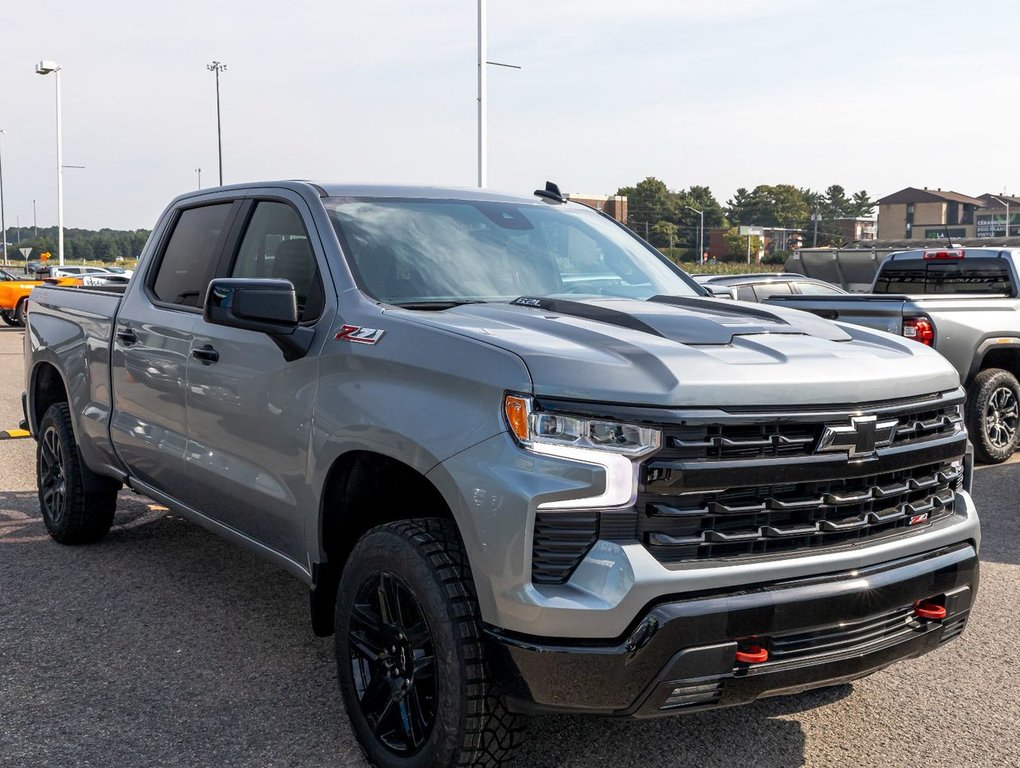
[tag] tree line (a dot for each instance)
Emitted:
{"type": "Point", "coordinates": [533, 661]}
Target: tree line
{"type": "Point", "coordinates": [669, 219]}
{"type": "Point", "coordinates": [79, 244]}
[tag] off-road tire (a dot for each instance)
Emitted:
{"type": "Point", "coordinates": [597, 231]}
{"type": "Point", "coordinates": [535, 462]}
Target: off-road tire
{"type": "Point", "coordinates": [992, 415]}
{"type": "Point", "coordinates": [21, 313]}
{"type": "Point", "coordinates": [470, 725]}
{"type": "Point", "coordinates": [9, 318]}
{"type": "Point", "coordinates": [71, 514]}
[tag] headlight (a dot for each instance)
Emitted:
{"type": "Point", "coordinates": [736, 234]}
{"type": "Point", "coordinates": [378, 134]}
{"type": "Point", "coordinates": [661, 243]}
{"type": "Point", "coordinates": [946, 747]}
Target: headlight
{"type": "Point", "coordinates": [614, 446]}
{"type": "Point", "coordinates": [537, 427]}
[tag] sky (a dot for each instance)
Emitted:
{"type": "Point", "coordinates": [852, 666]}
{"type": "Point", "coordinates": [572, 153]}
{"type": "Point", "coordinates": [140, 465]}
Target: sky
{"type": "Point", "coordinates": [868, 94]}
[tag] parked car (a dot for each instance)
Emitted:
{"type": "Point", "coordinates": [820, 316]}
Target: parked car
{"type": "Point", "coordinates": [760, 286]}
{"type": "Point", "coordinates": [14, 294]}
{"type": "Point", "coordinates": [76, 271]}
{"type": "Point", "coordinates": [966, 304]}
{"type": "Point", "coordinates": [513, 486]}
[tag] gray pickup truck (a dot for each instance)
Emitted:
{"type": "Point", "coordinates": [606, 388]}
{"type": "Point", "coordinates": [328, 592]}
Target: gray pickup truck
{"type": "Point", "coordinates": [522, 461]}
{"type": "Point", "coordinates": [965, 302]}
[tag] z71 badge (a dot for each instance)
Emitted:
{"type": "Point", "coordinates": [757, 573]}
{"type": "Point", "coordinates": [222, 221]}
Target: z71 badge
{"type": "Point", "coordinates": [359, 335]}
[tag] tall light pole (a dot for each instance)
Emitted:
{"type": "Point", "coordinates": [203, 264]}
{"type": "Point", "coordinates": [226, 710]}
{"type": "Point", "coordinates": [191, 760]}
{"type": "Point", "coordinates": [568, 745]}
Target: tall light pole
{"type": "Point", "coordinates": [1005, 203]}
{"type": "Point", "coordinates": [199, 172]}
{"type": "Point", "coordinates": [218, 67]}
{"type": "Point", "coordinates": [44, 68]}
{"type": "Point", "coordinates": [3, 221]}
{"type": "Point", "coordinates": [701, 233]}
{"type": "Point", "coordinates": [483, 121]}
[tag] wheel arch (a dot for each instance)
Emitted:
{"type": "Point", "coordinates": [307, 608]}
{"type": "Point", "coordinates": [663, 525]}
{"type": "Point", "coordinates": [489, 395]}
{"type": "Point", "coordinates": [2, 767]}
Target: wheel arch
{"type": "Point", "coordinates": [997, 352]}
{"type": "Point", "coordinates": [363, 489]}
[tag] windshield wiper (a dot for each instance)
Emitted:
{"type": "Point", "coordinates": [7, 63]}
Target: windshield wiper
{"type": "Point", "coordinates": [437, 305]}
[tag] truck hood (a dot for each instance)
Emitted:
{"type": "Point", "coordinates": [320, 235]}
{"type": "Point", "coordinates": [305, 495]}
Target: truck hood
{"type": "Point", "coordinates": [678, 351]}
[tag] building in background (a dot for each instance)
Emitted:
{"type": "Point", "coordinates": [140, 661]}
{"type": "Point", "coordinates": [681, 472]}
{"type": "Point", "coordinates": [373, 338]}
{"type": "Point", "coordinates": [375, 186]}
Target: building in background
{"type": "Point", "coordinates": [990, 221]}
{"type": "Point", "coordinates": [854, 228]}
{"type": "Point", "coordinates": [612, 205]}
{"type": "Point", "coordinates": [927, 214]}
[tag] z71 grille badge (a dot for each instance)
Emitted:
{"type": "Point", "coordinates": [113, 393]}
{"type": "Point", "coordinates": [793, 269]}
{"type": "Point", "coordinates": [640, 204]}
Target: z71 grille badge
{"type": "Point", "coordinates": [359, 335]}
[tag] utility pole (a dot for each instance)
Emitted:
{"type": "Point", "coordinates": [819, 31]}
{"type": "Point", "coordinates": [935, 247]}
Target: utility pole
{"type": "Point", "coordinates": [3, 222]}
{"type": "Point", "coordinates": [35, 222]}
{"type": "Point", "coordinates": [199, 172]}
{"type": "Point", "coordinates": [701, 233]}
{"type": "Point", "coordinates": [218, 67]}
{"type": "Point", "coordinates": [814, 239]}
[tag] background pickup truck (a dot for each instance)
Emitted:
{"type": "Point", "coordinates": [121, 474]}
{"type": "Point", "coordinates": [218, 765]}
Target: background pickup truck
{"type": "Point", "coordinates": [966, 304]}
{"type": "Point", "coordinates": [523, 463]}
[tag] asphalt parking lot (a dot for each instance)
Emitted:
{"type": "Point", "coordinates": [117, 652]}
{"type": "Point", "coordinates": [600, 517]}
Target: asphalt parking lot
{"type": "Point", "coordinates": [163, 645]}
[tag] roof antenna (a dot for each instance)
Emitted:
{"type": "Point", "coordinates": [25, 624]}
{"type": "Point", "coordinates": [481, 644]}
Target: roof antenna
{"type": "Point", "coordinates": [551, 192]}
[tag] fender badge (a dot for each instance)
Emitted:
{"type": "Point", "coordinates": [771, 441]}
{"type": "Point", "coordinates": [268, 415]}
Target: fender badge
{"type": "Point", "coordinates": [359, 335]}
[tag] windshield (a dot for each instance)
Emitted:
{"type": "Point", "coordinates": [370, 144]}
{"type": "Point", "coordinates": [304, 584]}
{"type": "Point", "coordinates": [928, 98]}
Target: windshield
{"type": "Point", "coordinates": [443, 252]}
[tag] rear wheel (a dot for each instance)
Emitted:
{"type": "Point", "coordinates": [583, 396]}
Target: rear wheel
{"type": "Point", "coordinates": [410, 655]}
{"type": "Point", "coordinates": [71, 514]}
{"type": "Point", "coordinates": [993, 415]}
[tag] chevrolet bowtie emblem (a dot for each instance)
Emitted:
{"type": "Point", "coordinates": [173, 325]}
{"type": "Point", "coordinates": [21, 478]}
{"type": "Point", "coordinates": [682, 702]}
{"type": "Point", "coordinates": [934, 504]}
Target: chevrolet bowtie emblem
{"type": "Point", "coordinates": [860, 438]}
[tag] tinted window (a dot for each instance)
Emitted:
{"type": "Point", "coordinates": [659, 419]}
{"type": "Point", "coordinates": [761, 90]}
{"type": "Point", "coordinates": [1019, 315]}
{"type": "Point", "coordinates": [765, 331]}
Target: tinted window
{"type": "Point", "coordinates": [276, 245]}
{"type": "Point", "coordinates": [764, 290]}
{"type": "Point", "coordinates": [817, 289]}
{"type": "Point", "coordinates": [746, 293]}
{"type": "Point", "coordinates": [967, 275]}
{"type": "Point", "coordinates": [189, 260]}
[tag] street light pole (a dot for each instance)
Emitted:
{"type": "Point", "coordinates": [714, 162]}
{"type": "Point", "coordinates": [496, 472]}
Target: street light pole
{"type": "Point", "coordinates": [483, 170]}
{"type": "Point", "coordinates": [1005, 203]}
{"type": "Point", "coordinates": [45, 68]}
{"type": "Point", "coordinates": [199, 172]}
{"type": "Point", "coordinates": [701, 233]}
{"type": "Point", "coordinates": [3, 221]}
{"type": "Point", "coordinates": [218, 67]}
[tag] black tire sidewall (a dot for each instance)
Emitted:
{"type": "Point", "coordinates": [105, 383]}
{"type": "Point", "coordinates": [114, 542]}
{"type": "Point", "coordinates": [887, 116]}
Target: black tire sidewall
{"type": "Point", "coordinates": [985, 384]}
{"type": "Point", "coordinates": [386, 550]}
{"type": "Point", "coordinates": [20, 313]}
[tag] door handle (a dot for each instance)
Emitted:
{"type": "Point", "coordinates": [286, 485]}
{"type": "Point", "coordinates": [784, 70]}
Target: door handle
{"type": "Point", "coordinates": [206, 354]}
{"type": "Point", "coordinates": [127, 337]}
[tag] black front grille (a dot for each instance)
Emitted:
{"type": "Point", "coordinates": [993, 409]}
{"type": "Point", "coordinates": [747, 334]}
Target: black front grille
{"type": "Point", "coordinates": [757, 436]}
{"type": "Point", "coordinates": [782, 518]}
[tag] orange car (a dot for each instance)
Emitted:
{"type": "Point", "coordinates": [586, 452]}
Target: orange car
{"type": "Point", "coordinates": [14, 295]}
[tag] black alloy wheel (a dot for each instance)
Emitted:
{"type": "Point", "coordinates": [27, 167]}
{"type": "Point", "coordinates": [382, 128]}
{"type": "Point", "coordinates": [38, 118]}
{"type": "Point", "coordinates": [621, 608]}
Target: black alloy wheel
{"type": "Point", "coordinates": [411, 653]}
{"type": "Point", "coordinates": [74, 512]}
{"type": "Point", "coordinates": [393, 663]}
{"type": "Point", "coordinates": [52, 476]}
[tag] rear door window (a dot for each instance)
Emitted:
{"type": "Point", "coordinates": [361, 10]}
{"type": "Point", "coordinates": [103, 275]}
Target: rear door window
{"type": "Point", "coordinates": [192, 255]}
{"type": "Point", "coordinates": [765, 290]}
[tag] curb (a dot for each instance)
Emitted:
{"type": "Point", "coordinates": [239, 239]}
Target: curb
{"type": "Point", "coordinates": [14, 434]}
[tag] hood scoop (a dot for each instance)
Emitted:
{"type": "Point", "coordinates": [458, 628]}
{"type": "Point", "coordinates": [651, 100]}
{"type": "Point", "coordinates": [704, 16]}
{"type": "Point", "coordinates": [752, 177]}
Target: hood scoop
{"type": "Point", "coordinates": [687, 320]}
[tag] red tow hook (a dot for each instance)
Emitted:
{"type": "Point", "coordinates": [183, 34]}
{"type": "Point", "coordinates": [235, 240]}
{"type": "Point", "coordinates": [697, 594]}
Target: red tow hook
{"type": "Point", "coordinates": [752, 654]}
{"type": "Point", "coordinates": [929, 609]}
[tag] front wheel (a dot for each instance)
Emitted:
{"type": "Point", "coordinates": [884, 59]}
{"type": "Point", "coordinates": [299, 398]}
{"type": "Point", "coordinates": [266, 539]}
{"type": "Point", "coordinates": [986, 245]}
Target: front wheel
{"type": "Point", "coordinates": [21, 313]}
{"type": "Point", "coordinates": [993, 415]}
{"type": "Point", "coordinates": [410, 654]}
{"type": "Point", "coordinates": [72, 515]}
{"type": "Point", "coordinates": [9, 318]}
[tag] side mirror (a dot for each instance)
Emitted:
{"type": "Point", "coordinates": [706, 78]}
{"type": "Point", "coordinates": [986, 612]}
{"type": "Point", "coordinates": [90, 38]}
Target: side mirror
{"type": "Point", "coordinates": [261, 305]}
{"type": "Point", "coordinates": [719, 291]}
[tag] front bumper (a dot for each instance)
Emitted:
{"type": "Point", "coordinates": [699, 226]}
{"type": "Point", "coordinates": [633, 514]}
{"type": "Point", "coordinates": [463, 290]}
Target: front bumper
{"type": "Point", "coordinates": [680, 656]}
